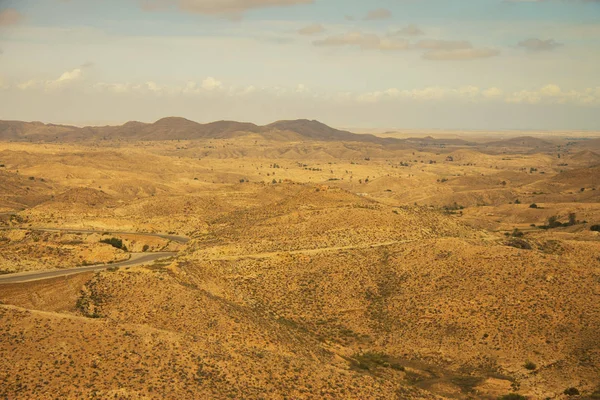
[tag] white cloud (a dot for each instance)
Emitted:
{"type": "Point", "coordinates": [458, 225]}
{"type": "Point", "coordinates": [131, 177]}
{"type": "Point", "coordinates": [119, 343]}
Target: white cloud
{"type": "Point", "coordinates": [210, 86]}
{"type": "Point", "coordinates": [211, 83]}
{"type": "Point", "coordinates": [30, 84]}
{"type": "Point", "coordinates": [492, 93]}
{"type": "Point", "coordinates": [64, 80]}
{"type": "Point", "coordinates": [553, 94]}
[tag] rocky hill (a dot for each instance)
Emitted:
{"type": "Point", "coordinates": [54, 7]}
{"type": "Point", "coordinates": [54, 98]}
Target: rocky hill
{"type": "Point", "coordinates": [176, 128]}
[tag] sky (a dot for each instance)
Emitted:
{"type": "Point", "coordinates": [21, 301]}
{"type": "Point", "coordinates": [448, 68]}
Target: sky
{"type": "Point", "coordinates": [413, 64]}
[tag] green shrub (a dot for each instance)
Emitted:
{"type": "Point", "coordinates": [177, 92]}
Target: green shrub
{"type": "Point", "coordinates": [595, 228]}
{"type": "Point", "coordinates": [519, 244]}
{"type": "Point", "coordinates": [530, 366]}
{"type": "Point", "coordinates": [571, 391]}
{"type": "Point", "coordinates": [553, 222]}
{"type": "Point", "coordinates": [115, 242]}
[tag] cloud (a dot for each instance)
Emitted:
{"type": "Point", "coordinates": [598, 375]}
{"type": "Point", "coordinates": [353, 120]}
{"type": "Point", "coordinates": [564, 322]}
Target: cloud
{"type": "Point", "coordinates": [492, 93]}
{"type": "Point", "coordinates": [212, 88]}
{"type": "Point", "coordinates": [536, 45]}
{"type": "Point", "coordinates": [433, 93]}
{"type": "Point", "coordinates": [460, 54]}
{"type": "Point", "coordinates": [30, 84]}
{"type": "Point", "coordinates": [548, 94]}
{"type": "Point", "coordinates": [365, 41]}
{"type": "Point", "coordinates": [554, 94]}
{"type": "Point", "coordinates": [453, 50]}
{"type": "Point", "coordinates": [211, 83]}
{"type": "Point", "coordinates": [380, 13]}
{"type": "Point", "coordinates": [435, 44]}
{"type": "Point", "coordinates": [410, 30]}
{"type": "Point", "coordinates": [312, 29]}
{"type": "Point", "coordinates": [228, 8]}
{"type": "Point", "coordinates": [10, 16]}
{"type": "Point", "coordinates": [65, 79]}
{"type": "Point", "coordinates": [435, 49]}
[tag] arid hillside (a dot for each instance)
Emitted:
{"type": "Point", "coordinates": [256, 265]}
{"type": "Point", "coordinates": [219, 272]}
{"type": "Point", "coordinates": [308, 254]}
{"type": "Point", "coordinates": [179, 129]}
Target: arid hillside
{"type": "Point", "coordinates": [300, 266]}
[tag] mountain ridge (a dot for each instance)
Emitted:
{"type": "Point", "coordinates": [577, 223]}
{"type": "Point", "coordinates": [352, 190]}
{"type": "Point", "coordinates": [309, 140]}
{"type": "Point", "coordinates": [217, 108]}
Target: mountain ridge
{"type": "Point", "coordinates": [178, 128]}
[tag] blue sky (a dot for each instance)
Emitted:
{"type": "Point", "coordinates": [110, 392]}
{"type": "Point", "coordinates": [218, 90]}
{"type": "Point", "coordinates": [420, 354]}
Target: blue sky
{"type": "Point", "coordinates": [469, 64]}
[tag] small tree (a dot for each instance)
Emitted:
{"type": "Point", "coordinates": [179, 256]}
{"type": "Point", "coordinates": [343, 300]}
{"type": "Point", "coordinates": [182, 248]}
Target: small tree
{"type": "Point", "coordinates": [572, 219]}
{"type": "Point", "coordinates": [533, 205]}
{"type": "Point", "coordinates": [553, 222]}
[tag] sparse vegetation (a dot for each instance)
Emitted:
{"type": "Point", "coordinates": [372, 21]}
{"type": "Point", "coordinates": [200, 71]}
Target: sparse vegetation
{"type": "Point", "coordinates": [370, 360]}
{"type": "Point", "coordinates": [571, 391]}
{"type": "Point", "coordinates": [115, 242]}
{"type": "Point", "coordinates": [283, 287]}
{"type": "Point", "coordinates": [530, 366]}
{"type": "Point", "coordinates": [519, 243]}
{"type": "Point", "coordinates": [512, 396]}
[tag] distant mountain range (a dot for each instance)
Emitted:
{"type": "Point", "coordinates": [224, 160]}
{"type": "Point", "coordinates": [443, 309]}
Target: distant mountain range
{"type": "Point", "coordinates": [175, 128]}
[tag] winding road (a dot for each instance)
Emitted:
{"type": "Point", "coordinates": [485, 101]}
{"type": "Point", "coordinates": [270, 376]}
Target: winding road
{"type": "Point", "coordinates": [135, 260]}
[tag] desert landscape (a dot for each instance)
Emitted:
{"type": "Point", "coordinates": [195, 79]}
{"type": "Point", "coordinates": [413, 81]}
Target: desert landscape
{"type": "Point", "coordinates": [299, 200]}
{"type": "Point", "coordinates": [297, 261]}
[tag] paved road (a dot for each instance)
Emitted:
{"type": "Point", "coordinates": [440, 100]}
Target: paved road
{"type": "Point", "coordinates": [175, 238]}
{"type": "Point", "coordinates": [136, 259]}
